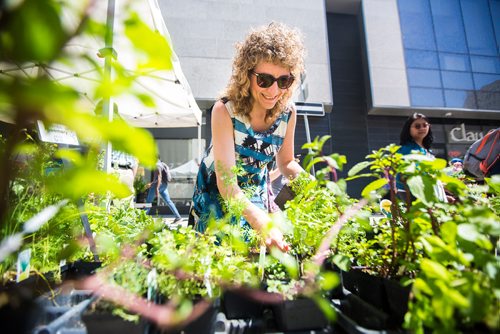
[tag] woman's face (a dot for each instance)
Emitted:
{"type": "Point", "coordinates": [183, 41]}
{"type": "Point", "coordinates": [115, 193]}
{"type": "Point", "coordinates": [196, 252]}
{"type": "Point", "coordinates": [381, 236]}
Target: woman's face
{"type": "Point", "coordinates": [266, 98]}
{"type": "Point", "coordinates": [419, 129]}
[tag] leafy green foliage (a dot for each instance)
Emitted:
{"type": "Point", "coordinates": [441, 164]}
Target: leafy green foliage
{"type": "Point", "coordinates": [446, 248]}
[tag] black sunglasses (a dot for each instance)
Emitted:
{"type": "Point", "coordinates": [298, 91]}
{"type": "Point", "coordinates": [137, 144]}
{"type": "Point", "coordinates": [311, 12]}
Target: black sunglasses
{"type": "Point", "coordinates": [266, 80]}
{"type": "Point", "coordinates": [423, 125]}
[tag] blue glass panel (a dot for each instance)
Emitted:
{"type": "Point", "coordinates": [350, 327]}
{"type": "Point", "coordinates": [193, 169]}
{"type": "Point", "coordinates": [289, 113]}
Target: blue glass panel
{"type": "Point", "coordinates": [457, 80]}
{"type": "Point", "coordinates": [478, 27]}
{"type": "Point", "coordinates": [416, 24]}
{"type": "Point", "coordinates": [454, 62]}
{"type": "Point", "coordinates": [485, 64]}
{"type": "Point", "coordinates": [448, 26]}
{"type": "Point", "coordinates": [487, 82]}
{"type": "Point", "coordinates": [495, 18]}
{"type": "Point", "coordinates": [423, 78]}
{"type": "Point", "coordinates": [421, 59]}
{"type": "Point", "coordinates": [426, 97]}
{"type": "Point", "coordinates": [460, 99]}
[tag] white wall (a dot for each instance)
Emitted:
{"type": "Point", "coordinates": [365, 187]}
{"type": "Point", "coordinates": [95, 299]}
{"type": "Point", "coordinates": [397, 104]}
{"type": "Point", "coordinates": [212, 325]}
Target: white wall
{"type": "Point", "coordinates": [204, 32]}
{"type": "Point", "coordinates": [386, 64]}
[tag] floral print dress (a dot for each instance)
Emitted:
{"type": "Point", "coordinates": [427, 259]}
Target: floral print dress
{"type": "Point", "coordinates": [253, 152]}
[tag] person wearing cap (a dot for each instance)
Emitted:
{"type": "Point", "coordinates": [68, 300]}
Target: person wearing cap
{"type": "Point", "coordinates": [455, 168]}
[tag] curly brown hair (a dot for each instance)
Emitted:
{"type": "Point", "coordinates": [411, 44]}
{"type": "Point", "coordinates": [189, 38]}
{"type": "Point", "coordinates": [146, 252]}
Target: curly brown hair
{"type": "Point", "coordinates": [275, 43]}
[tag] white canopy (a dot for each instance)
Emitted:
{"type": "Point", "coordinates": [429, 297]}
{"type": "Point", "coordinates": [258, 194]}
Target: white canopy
{"type": "Point", "coordinates": [187, 170]}
{"type": "Point", "coordinates": [173, 101]}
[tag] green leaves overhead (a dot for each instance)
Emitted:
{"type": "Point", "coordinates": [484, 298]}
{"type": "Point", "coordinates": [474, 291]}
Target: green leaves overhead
{"type": "Point", "coordinates": [32, 32]}
{"type": "Point", "coordinates": [155, 48]}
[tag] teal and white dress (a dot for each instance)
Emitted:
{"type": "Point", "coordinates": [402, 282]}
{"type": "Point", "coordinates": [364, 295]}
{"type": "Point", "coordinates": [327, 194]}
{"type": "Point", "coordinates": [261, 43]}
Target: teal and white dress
{"type": "Point", "coordinates": [254, 150]}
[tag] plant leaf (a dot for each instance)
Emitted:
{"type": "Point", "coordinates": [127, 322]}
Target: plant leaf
{"type": "Point", "coordinates": [375, 185]}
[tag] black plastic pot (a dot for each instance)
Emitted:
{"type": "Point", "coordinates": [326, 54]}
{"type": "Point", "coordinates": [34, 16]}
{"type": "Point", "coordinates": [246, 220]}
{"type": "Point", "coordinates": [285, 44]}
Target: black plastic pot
{"type": "Point", "coordinates": [397, 297]}
{"type": "Point", "coordinates": [204, 324]}
{"type": "Point", "coordinates": [19, 311]}
{"type": "Point", "coordinates": [367, 287]}
{"type": "Point", "coordinates": [238, 306]}
{"type": "Point", "coordinates": [284, 196]}
{"type": "Point", "coordinates": [79, 269]}
{"type": "Point", "coordinates": [299, 314]}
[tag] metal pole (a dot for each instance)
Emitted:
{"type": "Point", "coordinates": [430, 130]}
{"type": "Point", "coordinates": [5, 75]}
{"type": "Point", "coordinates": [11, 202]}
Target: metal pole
{"type": "Point", "coordinates": [107, 105]}
{"type": "Point", "coordinates": [308, 137]}
{"type": "Point", "coordinates": [199, 144]}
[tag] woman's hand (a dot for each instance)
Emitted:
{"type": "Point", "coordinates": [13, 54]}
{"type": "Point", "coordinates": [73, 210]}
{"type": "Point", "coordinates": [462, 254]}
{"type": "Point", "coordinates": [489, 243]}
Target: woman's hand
{"type": "Point", "coordinates": [274, 238]}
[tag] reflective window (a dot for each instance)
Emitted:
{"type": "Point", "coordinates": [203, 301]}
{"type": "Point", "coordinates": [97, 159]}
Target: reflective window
{"type": "Point", "coordinates": [421, 59]}
{"type": "Point", "coordinates": [448, 26]}
{"type": "Point", "coordinates": [460, 99]}
{"type": "Point", "coordinates": [416, 25]}
{"type": "Point", "coordinates": [426, 97]}
{"type": "Point", "coordinates": [495, 18]}
{"type": "Point", "coordinates": [423, 78]}
{"type": "Point", "coordinates": [488, 82]}
{"type": "Point", "coordinates": [454, 62]}
{"type": "Point", "coordinates": [488, 100]}
{"type": "Point", "coordinates": [457, 80]}
{"type": "Point", "coordinates": [479, 27]}
{"type": "Point", "coordinates": [485, 64]}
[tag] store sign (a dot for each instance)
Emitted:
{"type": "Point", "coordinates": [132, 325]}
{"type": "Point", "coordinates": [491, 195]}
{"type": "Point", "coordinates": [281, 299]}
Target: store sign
{"type": "Point", "coordinates": [57, 134]}
{"type": "Point", "coordinates": [460, 134]}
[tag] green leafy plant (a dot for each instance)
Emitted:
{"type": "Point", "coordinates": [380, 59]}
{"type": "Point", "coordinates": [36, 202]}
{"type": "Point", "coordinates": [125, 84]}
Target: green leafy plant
{"type": "Point", "coordinates": [444, 249]}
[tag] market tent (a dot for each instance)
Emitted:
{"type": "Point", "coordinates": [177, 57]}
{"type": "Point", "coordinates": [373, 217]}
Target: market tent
{"type": "Point", "coordinates": [172, 103]}
{"type": "Point", "coordinates": [184, 171]}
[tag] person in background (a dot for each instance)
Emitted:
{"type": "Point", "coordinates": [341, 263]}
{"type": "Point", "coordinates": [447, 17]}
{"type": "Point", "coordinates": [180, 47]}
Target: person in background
{"type": "Point", "coordinates": [253, 123]}
{"type": "Point", "coordinates": [416, 138]}
{"type": "Point", "coordinates": [159, 187]}
{"type": "Point", "coordinates": [126, 166]}
{"type": "Point", "coordinates": [455, 168]}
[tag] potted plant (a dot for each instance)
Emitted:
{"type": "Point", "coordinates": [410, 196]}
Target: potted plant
{"type": "Point", "coordinates": [427, 242]}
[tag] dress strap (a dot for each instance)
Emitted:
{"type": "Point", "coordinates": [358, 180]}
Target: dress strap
{"type": "Point", "coordinates": [230, 108]}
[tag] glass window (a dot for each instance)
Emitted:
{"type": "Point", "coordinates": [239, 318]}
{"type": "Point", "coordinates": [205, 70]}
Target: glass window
{"type": "Point", "coordinates": [489, 82]}
{"type": "Point", "coordinates": [423, 78]}
{"type": "Point", "coordinates": [426, 97]}
{"type": "Point", "coordinates": [457, 80]}
{"type": "Point", "coordinates": [460, 99]}
{"type": "Point", "coordinates": [478, 27]}
{"type": "Point", "coordinates": [454, 62]}
{"type": "Point", "coordinates": [488, 100]}
{"type": "Point", "coordinates": [495, 18]}
{"type": "Point", "coordinates": [416, 24]}
{"type": "Point", "coordinates": [448, 26]}
{"type": "Point", "coordinates": [421, 59]}
{"type": "Point", "coordinates": [485, 64]}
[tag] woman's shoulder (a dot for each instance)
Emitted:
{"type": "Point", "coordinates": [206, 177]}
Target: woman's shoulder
{"type": "Point", "coordinates": [221, 108]}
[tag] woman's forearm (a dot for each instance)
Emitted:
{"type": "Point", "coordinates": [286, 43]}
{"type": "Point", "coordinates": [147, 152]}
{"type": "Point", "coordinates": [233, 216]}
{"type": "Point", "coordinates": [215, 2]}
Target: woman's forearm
{"type": "Point", "coordinates": [291, 170]}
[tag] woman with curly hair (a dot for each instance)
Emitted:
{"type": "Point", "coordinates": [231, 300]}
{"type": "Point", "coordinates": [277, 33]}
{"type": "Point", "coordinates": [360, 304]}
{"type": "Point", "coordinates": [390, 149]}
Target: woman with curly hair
{"type": "Point", "coordinates": [253, 123]}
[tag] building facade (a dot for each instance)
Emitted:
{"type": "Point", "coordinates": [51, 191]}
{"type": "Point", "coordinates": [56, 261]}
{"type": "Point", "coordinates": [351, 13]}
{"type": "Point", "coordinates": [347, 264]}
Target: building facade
{"type": "Point", "coordinates": [370, 62]}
